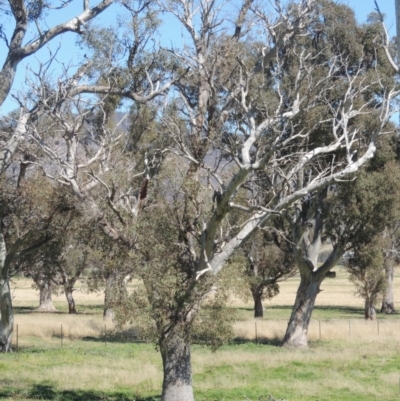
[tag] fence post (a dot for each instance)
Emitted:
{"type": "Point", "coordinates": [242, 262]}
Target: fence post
{"type": "Point", "coordinates": [319, 321]}
{"type": "Point", "coordinates": [377, 321]}
{"type": "Point", "coordinates": [17, 339]}
{"type": "Point", "coordinates": [105, 335]}
{"type": "Point", "coordinates": [255, 324]}
{"type": "Point", "coordinates": [61, 336]}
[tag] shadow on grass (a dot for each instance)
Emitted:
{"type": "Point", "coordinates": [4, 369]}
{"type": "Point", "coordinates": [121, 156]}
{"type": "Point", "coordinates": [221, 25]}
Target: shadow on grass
{"type": "Point", "coordinates": [130, 335]}
{"type": "Point", "coordinates": [23, 310]}
{"type": "Point", "coordinates": [94, 309]}
{"type": "Point", "coordinates": [334, 309]}
{"type": "Point", "coordinates": [342, 309]}
{"type": "Point", "coordinates": [277, 342]}
{"type": "Point", "coordinates": [114, 339]}
{"type": "Point", "coordinates": [48, 392]}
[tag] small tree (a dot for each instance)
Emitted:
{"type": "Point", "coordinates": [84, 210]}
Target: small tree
{"type": "Point", "coordinates": [30, 212]}
{"type": "Point", "coordinates": [264, 265]}
{"type": "Point", "coordinates": [390, 239]}
{"type": "Point", "coordinates": [367, 274]}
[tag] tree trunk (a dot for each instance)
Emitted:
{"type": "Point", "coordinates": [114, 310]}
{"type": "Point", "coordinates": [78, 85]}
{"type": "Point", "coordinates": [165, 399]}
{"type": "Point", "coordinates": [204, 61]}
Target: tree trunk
{"type": "Point", "coordinates": [71, 301]}
{"type": "Point", "coordinates": [108, 312]}
{"type": "Point", "coordinates": [297, 330]}
{"type": "Point", "coordinates": [388, 300]}
{"type": "Point", "coordinates": [6, 310]}
{"type": "Point", "coordinates": [369, 310]}
{"type": "Point", "coordinates": [6, 316]}
{"type": "Point", "coordinates": [258, 306]}
{"type": "Point", "coordinates": [7, 75]}
{"type": "Point", "coordinates": [397, 8]}
{"type": "Point", "coordinates": [177, 381]}
{"type": "Point", "coordinates": [45, 299]}
{"type": "Point", "coordinates": [115, 292]}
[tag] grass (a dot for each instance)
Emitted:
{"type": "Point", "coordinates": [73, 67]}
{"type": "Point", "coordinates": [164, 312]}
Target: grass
{"type": "Point", "coordinates": [92, 371]}
{"type": "Point", "coordinates": [351, 361]}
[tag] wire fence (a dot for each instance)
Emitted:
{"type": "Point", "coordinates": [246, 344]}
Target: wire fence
{"type": "Point", "coordinates": [322, 330]}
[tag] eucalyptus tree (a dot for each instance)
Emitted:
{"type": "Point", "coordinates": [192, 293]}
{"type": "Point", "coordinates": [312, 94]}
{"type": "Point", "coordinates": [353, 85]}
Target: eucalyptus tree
{"type": "Point", "coordinates": [367, 275]}
{"type": "Point", "coordinates": [46, 287]}
{"type": "Point", "coordinates": [390, 240]}
{"type": "Point", "coordinates": [352, 216]}
{"type": "Point", "coordinates": [262, 266]}
{"type": "Point", "coordinates": [30, 34]}
{"type": "Point", "coordinates": [335, 32]}
{"type": "Point", "coordinates": [13, 173]}
{"type": "Point", "coordinates": [240, 112]}
{"type": "Point", "coordinates": [30, 214]}
{"type": "Point", "coordinates": [19, 44]}
{"type": "Point", "coordinates": [33, 16]}
{"type": "Point", "coordinates": [383, 251]}
{"type": "Point", "coordinates": [59, 264]}
{"type": "Point", "coordinates": [241, 116]}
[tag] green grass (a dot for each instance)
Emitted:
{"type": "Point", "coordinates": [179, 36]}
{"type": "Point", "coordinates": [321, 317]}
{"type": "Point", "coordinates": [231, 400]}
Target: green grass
{"type": "Point", "coordinates": [89, 371]}
{"type": "Point", "coordinates": [358, 366]}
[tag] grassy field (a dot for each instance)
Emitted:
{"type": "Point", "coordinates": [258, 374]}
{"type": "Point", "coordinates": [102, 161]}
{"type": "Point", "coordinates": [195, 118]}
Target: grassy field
{"type": "Point", "coordinates": [354, 360]}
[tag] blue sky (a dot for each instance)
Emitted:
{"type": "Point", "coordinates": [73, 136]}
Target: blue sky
{"type": "Point", "coordinates": [69, 51]}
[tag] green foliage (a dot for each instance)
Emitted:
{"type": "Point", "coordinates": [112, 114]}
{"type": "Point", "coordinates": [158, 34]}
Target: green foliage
{"type": "Point", "coordinates": [213, 326]}
{"type": "Point", "coordinates": [366, 271]}
{"type": "Point", "coordinates": [364, 212]}
{"type": "Point", "coordinates": [167, 293]}
{"type": "Point", "coordinates": [362, 208]}
{"type": "Point", "coordinates": [33, 211]}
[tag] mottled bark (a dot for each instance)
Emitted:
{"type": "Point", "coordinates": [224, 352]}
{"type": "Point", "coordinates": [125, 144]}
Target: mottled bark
{"type": "Point", "coordinates": [45, 298]}
{"type": "Point", "coordinates": [297, 330]}
{"type": "Point", "coordinates": [369, 310]}
{"type": "Point", "coordinates": [70, 300]}
{"type": "Point", "coordinates": [6, 310]}
{"type": "Point", "coordinates": [177, 381]}
{"type": "Point", "coordinates": [7, 75]}
{"type": "Point", "coordinates": [108, 312]}
{"type": "Point", "coordinates": [6, 316]}
{"type": "Point", "coordinates": [115, 292]}
{"type": "Point", "coordinates": [258, 306]}
{"type": "Point", "coordinates": [10, 147]}
{"type": "Point", "coordinates": [388, 299]}
{"type": "Point", "coordinates": [397, 6]}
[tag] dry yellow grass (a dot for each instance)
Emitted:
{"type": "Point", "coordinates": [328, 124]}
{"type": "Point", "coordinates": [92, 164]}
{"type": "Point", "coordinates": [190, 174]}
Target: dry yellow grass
{"type": "Point", "coordinates": [47, 325]}
{"type": "Point", "coordinates": [336, 292]}
{"type": "Point", "coordinates": [24, 295]}
{"type": "Point", "coordinates": [326, 330]}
